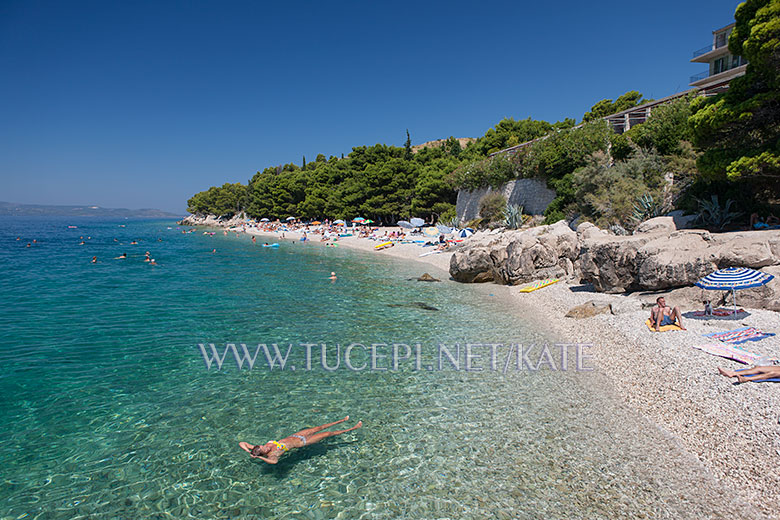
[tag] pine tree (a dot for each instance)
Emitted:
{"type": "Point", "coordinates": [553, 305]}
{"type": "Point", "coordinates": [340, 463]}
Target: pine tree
{"type": "Point", "coordinates": [408, 147]}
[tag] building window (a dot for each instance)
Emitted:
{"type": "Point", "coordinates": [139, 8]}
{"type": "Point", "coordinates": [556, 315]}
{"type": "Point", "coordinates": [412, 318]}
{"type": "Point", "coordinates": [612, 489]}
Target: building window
{"type": "Point", "coordinates": [719, 65]}
{"type": "Point", "coordinates": [721, 40]}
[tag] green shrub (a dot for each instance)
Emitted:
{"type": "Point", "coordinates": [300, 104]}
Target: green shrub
{"type": "Point", "coordinates": [491, 207]}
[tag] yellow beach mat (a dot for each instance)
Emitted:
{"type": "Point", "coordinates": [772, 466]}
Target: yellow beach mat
{"type": "Point", "coordinates": [661, 329]}
{"type": "Point", "coordinates": [539, 284]}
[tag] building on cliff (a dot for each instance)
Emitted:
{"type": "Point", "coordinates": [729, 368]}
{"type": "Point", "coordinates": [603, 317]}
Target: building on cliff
{"type": "Point", "coordinates": [722, 65]}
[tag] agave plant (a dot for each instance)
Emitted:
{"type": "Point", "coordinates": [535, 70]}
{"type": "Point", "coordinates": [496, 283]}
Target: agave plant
{"type": "Point", "coordinates": [513, 216]}
{"type": "Point", "coordinates": [646, 208]}
{"type": "Point", "coordinates": [713, 215]}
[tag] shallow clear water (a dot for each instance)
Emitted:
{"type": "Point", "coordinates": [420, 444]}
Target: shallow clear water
{"type": "Point", "coordinates": [109, 410]}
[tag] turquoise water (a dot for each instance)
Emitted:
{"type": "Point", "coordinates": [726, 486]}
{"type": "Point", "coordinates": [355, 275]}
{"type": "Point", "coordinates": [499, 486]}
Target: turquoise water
{"type": "Point", "coordinates": [109, 411]}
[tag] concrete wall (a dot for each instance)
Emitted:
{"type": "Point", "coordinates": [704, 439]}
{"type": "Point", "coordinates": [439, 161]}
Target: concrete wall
{"type": "Point", "coordinates": [532, 194]}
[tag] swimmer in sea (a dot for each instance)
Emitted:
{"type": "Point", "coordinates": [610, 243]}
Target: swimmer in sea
{"type": "Point", "coordinates": [152, 262]}
{"type": "Point", "coordinates": [82, 243]}
{"type": "Point", "coordinates": [134, 243]}
{"type": "Point", "coordinates": [121, 257]}
{"type": "Point", "coordinates": [94, 259]}
{"type": "Point", "coordinates": [148, 256]}
{"type": "Point", "coordinates": [213, 250]}
{"type": "Point", "coordinates": [272, 450]}
{"type": "Point", "coordinates": [332, 276]}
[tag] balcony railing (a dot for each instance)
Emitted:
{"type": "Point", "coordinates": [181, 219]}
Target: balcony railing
{"type": "Point", "coordinates": [699, 76]}
{"type": "Point", "coordinates": [703, 50]}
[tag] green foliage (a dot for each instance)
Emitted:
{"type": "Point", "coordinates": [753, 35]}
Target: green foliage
{"type": "Point", "coordinates": [449, 218]}
{"type": "Point", "coordinates": [508, 131]}
{"type": "Point", "coordinates": [646, 208]}
{"type": "Point", "coordinates": [714, 216]}
{"type": "Point", "coordinates": [227, 200]}
{"type": "Point", "coordinates": [513, 216]}
{"type": "Point", "coordinates": [493, 171]}
{"type": "Point", "coordinates": [665, 128]}
{"type": "Point", "coordinates": [738, 132]}
{"type": "Point", "coordinates": [607, 194]}
{"type": "Point", "coordinates": [491, 207]}
{"type": "Point", "coordinates": [408, 147]}
{"type": "Point", "coordinates": [622, 147]}
{"type": "Point", "coordinates": [606, 107]}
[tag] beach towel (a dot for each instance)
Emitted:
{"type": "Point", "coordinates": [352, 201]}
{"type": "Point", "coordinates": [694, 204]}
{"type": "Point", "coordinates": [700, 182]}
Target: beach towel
{"type": "Point", "coordinates": [768, 380]}
{"type": "Point", "coordinates": [538, 284]}
{"type": "Point", "coordinates": [661, 329]}
{"type": "Point", "coordinates": [737, 336]}
{"type": "Point", "coordinates": [730, 352]}
{"type": "Point", "coordinates": [720, 312]}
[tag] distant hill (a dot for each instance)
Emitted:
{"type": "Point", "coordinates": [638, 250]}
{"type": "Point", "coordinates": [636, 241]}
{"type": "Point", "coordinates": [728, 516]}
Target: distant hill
{"type": "Point", "coordinates": [464, 141]}
{"type": "Point", "coordinates": [31, 210]}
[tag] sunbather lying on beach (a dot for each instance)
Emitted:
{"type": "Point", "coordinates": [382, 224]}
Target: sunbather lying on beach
{"type": "Point", "coordinates": [662, 315]}
{"type": "Point", "coordinates": [272, 450]}
{"type": "Point", "coordinates": [754, 374]}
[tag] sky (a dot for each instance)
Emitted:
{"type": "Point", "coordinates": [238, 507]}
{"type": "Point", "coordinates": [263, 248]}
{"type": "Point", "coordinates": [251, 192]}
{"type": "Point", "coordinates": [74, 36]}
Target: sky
{"type": "Point", "coordinates": [142, 104]}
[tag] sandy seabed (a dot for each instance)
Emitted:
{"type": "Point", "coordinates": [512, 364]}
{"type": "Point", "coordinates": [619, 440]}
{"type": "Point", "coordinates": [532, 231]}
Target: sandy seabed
{"type": "Point", "coordinates": [732, 429]}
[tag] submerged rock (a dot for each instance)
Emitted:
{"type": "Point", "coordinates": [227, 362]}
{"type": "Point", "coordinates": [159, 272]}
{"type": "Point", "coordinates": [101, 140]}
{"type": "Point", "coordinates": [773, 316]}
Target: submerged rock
{"type": "Point", "coordinates": [419, 305]}
{"type": "Point", "coordinates": [427, 278]}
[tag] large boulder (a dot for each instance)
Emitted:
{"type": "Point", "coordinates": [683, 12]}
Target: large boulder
{"type": "Point", "coordinates": [519, 256]}
{"type": "Point", "coordinates": [610, 262]}
{"type": "Point", "coordinates": [675, 260]}
{"type": "Point", "coordinates": [656, 225]}
{"type": "Point", "coordinates": [471, 265]}
{"type": "Point", "coordinates": [764, 297]}
{"type": "Point", "coordinates": [588, 309]}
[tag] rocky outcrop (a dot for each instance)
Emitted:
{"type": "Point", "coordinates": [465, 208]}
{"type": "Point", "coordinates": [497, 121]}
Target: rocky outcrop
{"type": "Point", "coordinates": [666, 260]}
{"type": "Point", "coordinates": [658, 257]}
{"type": "Point", "coordinates": [519, 256]}
{"type": "Point", "coordinates": [588, 310]}
{"type": "Point", "coordinates": [212, 220]}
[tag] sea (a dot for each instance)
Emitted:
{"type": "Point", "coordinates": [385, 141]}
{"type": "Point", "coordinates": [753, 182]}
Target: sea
{"type": "Point", "coordinates": [126, 388]}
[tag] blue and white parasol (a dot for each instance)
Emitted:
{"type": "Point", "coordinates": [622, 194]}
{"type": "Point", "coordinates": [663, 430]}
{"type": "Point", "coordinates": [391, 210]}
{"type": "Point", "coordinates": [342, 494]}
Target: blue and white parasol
{"type": "Point", "coordinates": [464, 233]}
{"type": "Point", "coordinates": [734, 278]}
{"type": "Point", "coordinates": [417, 222]}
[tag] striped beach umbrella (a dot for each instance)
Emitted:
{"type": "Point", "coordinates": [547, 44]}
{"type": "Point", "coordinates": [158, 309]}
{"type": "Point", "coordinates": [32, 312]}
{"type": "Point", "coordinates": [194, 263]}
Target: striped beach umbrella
{"type": "Point", "coordinates": [733, 279]}
{"type": "Point", "coordinates": [464, 233]}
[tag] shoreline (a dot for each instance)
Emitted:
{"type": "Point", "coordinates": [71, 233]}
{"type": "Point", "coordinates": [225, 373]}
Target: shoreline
{"type": "Point", "coordinates": [732, 430]}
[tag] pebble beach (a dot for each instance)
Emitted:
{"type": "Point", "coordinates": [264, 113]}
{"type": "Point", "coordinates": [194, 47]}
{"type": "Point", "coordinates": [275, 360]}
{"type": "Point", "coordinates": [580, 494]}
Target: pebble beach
{"type": "Point", "coordinates": [732, 429]}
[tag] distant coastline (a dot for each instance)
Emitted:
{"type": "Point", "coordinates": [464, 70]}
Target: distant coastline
{"type": "Point", "coordinates": [32, 210]}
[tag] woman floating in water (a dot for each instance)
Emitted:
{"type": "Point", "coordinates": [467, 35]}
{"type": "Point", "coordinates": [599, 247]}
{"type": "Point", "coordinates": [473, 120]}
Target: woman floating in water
{"type": "Point", "coordinates": [272, 450]}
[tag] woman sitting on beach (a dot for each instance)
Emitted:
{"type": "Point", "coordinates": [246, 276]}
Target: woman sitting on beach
{"type": "Point", "coordinates": [272, 450]}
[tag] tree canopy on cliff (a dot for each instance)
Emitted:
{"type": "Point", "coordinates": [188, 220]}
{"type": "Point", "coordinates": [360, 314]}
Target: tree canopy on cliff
{"type": "Point", "coordinates": [739, 131]}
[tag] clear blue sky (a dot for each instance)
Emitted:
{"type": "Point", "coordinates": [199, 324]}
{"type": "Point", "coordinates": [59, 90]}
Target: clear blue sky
{"type": "Point", "coordinates": [142, 104]}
